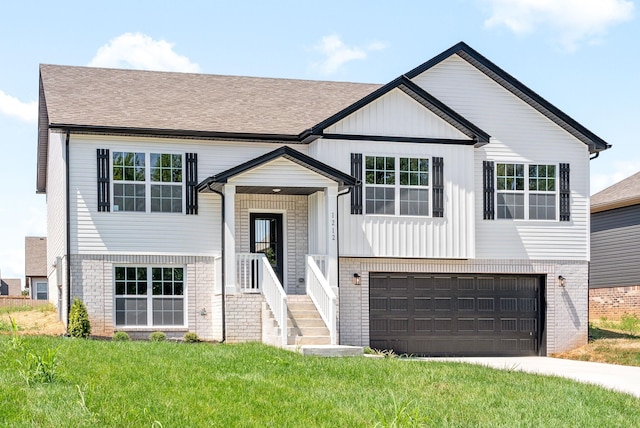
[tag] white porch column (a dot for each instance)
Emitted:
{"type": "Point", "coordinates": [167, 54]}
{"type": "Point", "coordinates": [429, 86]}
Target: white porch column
{"type": "Point", "coordinates": [230, 237]}
{"type": "Point", "coordinates": [331, 217]}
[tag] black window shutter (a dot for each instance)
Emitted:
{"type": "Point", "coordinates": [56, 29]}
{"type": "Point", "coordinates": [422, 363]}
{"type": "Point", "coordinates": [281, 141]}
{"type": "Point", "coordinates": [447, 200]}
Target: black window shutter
{"type": "Point", "coordinates": [103, 181]}
{"type": "Point", "coordinates": [488, 190]}
{"type": "Point", "coordinates": [192, 181]}
{"type": "Point", "coordinates": [565, 193]}
{"type": "Point", "coordinates": [356, 192]}
{"type": "Point", "coordinates": [438, 187]}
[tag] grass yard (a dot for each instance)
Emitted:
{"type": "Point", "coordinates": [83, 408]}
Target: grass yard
{"type": "Point", "coordinates": [613, 342]}
{"type": "Point", "coordinates": [164, 384]}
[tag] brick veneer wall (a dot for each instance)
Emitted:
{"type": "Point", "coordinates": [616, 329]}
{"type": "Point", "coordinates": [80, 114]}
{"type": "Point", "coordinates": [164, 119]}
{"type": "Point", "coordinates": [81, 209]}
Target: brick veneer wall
{"type": "Point", "coordinates": [92, 282]}
{"type": "Point", "coordinates": [566, 322]}
{"type": "Point", "coordinates": [614, 302]}
{"type": "Point", "coordinates": [243, 317]}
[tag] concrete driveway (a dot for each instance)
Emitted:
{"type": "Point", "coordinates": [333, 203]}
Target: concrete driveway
{"type": "Point", "coordinates": [618, 378]}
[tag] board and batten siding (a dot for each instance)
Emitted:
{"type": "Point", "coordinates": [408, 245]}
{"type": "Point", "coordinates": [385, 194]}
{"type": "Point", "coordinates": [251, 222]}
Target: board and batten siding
{"type": "Point", "coordinates": [407, 236]}
{"type": "Point", "coordinates": [281, 172]}
{"type": "Point", "coordinates": [96, 232]}
{"type": "Point", "coordinates": [395, 114]}
{"type": "Point", "coordinates": [615, 248]}
{"type": "Point", "coordinates": [519, 134]}
{"type": "Point", "coordinates": [56, 210]}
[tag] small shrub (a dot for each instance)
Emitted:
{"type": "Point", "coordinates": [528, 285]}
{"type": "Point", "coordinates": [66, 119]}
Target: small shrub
{"type": "Point", "coordinates": [120, 336]}
{"type": "Point", "coordinates": [24, 293]}
{"type": "Point", "coordinates": [191, 337]}
{"type": "Point", "coordinates": [630, 323]}
{"type": "Point", "coordinates": [157, 336]}
{"type": "Point", "coordinates": [79, 325]}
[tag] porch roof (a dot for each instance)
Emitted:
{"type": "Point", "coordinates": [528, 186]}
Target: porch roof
{"type": "Point", "coordinates": [217, 181]}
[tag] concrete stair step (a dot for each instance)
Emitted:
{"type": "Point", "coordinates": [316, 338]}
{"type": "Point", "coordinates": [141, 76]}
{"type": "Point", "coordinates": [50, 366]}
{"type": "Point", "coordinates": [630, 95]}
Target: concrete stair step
{"type": "Point", "coordinates": [309, 322]}
{"type": "Point", "coordinates": [308, 340]}
{"type": "Point", "coordinates": [306, 314]}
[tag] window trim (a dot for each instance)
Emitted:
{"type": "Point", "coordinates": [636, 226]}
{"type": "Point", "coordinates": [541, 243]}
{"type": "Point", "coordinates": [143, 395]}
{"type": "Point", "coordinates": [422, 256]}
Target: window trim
{"type": "Point", "coordinates": [397, 187]}
{"type": "Point", "coordinates": [150, 297]}
{"type": "Point", "coordinates": [526, 192]}
{"type": "Point", "coordinates": [147, 181]}
{"type": "Point", "coordinates": [36, 292]}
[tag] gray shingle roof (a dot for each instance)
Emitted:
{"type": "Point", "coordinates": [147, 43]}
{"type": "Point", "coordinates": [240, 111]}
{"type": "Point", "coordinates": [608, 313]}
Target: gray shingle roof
{"type": "Point", "coordinates": [194, 102]}
{"type": "Point", "coordinates": [622, 194]}
{"type": "Point", "coordinates": [35, 256]}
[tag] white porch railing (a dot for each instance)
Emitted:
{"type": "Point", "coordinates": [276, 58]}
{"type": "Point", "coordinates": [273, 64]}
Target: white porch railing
{"type": "Point", "coordinates": [255, 275]}
{"type": "Point", "coordinates": [321, 261]}
{"type": "Point", "coordinates": [322, 296]}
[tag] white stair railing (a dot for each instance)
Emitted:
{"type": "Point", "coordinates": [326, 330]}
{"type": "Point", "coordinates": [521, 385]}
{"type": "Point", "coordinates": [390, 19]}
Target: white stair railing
{"type": "Point", "coordinates": [255, 275]}
{"type": "Point", "coordinates": [322, 296]}
{"type": "Point", "coordinates": [321, 261]}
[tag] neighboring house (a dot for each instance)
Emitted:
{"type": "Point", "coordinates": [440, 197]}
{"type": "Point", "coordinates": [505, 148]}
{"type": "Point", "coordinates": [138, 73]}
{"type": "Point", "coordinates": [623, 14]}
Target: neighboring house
{"type": "Point", "coordinates": [35, 267]}
{"type": "Point", "coordinates": [614, 276]}
{"type": "Point", "coordinates": [433, 215]}
{"type": "Point", "coordinates": [10, 287]}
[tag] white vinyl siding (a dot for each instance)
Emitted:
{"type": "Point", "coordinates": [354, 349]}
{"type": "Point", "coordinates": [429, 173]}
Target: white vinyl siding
{"type": "Point", "coordinates": [396, 114]}
{"type": "Point", "coordinates": [452, 236]}
{"type": "Point", "coordinates": [56, 211]}
{"type": "Point", "coordinates": [281, 172]}
{"type": "Point", "coordinates": [149, 233]}
{"type": "Point", "coordinates": [519, 134]}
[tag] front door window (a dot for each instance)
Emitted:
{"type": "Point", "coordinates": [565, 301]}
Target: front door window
{"type": "Point", "coordinates": [266, 238]}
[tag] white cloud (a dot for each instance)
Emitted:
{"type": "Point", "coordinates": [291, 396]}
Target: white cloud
{"type": "Point", "coordinates": [337, 53]}
{"type": "Point", "coordinates": [622, 170]}
{"type": "Point", "coordinates": [12, 106]}
{"type": "Point", "coordinates": [572, 21]}
{"type": "Point", "coordinates": [141, 52]}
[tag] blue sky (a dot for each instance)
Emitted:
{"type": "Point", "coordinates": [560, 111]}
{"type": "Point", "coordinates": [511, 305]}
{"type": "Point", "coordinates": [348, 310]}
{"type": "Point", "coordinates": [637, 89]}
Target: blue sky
{"type": "Point", "coordinates": [581, 55]}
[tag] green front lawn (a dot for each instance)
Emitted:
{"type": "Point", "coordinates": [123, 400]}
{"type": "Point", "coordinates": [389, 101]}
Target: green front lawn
{"type": "Point", "coordinates": [116, 384]}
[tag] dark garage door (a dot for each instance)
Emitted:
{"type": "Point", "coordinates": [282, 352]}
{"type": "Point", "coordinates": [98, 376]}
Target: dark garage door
{"type": "Point", "coordinates": [455, 315]}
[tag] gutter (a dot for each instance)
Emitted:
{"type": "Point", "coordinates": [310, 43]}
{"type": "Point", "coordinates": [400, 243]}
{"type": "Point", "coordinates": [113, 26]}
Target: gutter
{"type": "Point", "coordinates": [68, 222]}
{"type": "Point", "coordinates": [222, 218]}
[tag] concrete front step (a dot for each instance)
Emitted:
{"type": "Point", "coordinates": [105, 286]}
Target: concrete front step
{"type": "Point", "coordinates": [328, 350]}
{"type": "Point", "coordinates": [308, 340]}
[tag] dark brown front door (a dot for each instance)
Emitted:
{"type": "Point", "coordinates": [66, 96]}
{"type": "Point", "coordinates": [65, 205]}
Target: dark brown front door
{"type": "Point", "coordinates": [456, 314]}
{"type": "Point", "coordinates": [266, 238]}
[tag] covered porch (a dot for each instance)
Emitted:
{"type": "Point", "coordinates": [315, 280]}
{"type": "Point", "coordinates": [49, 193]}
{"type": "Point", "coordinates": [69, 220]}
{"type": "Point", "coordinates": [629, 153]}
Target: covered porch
{"type": "Point", "coordinates": [279, 238]}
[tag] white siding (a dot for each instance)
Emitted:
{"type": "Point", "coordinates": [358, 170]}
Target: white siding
{"type": "Point", "coordinates": [281, 173]}
{"type": "Point", "coordinates": [398, 236]}
{"type": "Point", "coordinates": [518, 134]}
{"type": "Point", "coordinates": [56, 211]}
{"type": "Point", "coordinates": [150, 233]}
{"type": "Point", "coordinates": [396, 114]}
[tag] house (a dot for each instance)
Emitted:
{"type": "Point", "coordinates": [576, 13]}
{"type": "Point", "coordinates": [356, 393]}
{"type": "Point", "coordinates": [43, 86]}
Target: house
{"type": "Point", "coordinates": [10, 286]}
{"type": "Point", "coordinates": [614, 275]}
{"type": "Point", "coordinates": [35, 267]}
{"type": "Point", "coordinates": [443, 213]}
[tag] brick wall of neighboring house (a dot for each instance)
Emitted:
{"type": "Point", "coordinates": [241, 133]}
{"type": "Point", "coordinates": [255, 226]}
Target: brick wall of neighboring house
{"type": "Point", "coordinates": [613, 302]}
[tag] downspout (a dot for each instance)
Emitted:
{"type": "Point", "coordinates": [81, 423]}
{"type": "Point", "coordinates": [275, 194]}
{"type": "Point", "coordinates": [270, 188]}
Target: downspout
{"type": "Point", "coordinates": [595, 156]}
{"type": "Point", "coordinates": [68, 214]}
{"type": "Point", "coordinates": [224, 324]}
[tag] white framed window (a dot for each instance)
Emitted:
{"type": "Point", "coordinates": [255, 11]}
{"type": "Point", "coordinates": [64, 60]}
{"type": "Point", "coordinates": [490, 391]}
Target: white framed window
{"type": "Point", "coordinates": [149, 296]}
{"type": "Point", "coordinates": [526, 192]}
{"type": "Point", "coordinates": [41, 290]}
{"type": "Point", "coordinates": [147, 182]}
{"type": "Point", "coordinates": [397, 186]}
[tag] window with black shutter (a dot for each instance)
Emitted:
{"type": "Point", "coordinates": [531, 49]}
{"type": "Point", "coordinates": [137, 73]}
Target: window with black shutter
{"type": "Point", "coordinates": [356, 192]}
{"type": "Point", "coordinates": [192, 182]}
{"type": "Point", "coordinates": [438, 187]}
{"type": "Point", "coordinates": [488, 190]}
{"type": "Point", "coordinates": [103, 173]}
{"type": "Point", "coordinates": [565, 193]}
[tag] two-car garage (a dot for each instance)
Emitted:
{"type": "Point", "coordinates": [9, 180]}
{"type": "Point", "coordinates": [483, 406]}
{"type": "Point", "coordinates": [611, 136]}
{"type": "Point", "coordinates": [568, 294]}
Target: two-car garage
{"type": "Point", "coordinates": [456, 314]}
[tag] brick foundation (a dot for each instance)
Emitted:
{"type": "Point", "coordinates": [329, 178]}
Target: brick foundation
{"type": "Point", "coordinates": [613, 302]}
